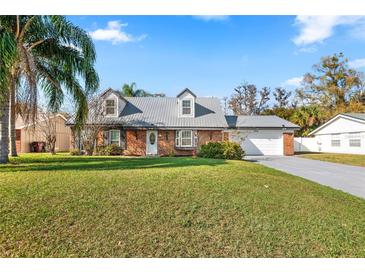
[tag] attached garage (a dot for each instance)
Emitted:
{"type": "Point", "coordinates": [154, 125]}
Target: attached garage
{"type": "Point", "coordinates": [262, 135]}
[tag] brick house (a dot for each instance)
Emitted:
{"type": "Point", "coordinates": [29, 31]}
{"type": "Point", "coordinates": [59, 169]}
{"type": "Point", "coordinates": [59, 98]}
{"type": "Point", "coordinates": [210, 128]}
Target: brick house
{"type": "Point", "coordinates": [171, 125]}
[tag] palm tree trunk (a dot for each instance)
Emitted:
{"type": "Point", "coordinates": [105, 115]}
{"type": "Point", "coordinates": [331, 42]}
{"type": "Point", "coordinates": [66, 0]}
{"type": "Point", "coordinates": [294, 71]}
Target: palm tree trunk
{"type": "Point", "coordinates": [12, 118]}
{"type": "Point", "coordinates": [4, 129]}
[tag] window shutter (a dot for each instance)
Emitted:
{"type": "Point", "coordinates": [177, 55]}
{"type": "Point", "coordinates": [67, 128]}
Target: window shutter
{"type": "Point", "coordinates": [177, 138]}
{"type": "Point", "coordinates": [122, 138]}
{"type": "Point", "coordinates": [106, 136]}
{"type": "Point", "coordinates": [195, 141]}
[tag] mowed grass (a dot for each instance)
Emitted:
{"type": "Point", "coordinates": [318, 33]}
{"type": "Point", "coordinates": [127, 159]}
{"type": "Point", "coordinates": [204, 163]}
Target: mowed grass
{"type": "Point", "coordinates": [348, 159]}
{"type": "Point", "coordinates": [69, 206]}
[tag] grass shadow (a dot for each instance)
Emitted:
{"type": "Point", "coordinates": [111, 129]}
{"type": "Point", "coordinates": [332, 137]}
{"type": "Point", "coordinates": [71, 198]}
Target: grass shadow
{"type": "Point", "coordinates": [54, 163]}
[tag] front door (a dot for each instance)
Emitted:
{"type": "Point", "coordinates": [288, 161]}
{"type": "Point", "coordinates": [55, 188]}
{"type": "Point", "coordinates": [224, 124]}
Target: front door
{"type": "Point", "coordinates": [151, 142]}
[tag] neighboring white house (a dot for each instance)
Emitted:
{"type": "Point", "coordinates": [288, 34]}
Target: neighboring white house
{"type": "Point", "coordinates": [344, 133]}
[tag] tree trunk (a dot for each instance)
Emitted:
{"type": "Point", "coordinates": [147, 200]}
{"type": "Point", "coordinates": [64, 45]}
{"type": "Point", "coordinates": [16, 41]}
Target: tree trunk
{"type": "Point", "coordinates": [53, 148]}
{"type": "Point", "coordinates": [4, 129]}
{"type": "Point", "coordinates": [12, 119]}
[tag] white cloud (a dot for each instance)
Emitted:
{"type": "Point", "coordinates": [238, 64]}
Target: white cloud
{"type": "Point", "coordinates": [208, 18]}
{"type": "Point", "coordinates": [293, 82]}
{"type": "Point", "coordinates": [316, 29]}
{"type": "Point", "coordinates": [308, 49]}
{"type": "Point", "coordinates": [357, 63]}
{"type": "Point", "coordinates": [114, 33]}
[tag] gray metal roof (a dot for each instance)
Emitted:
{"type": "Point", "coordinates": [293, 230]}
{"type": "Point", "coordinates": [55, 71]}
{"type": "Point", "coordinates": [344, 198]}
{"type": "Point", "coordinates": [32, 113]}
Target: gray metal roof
{"type": "Point", "coordinates": [162, 112]}
{"type": "Point", "coordinates": [258, 121]}
{"type": "Point", "coordinates": [360, 116]}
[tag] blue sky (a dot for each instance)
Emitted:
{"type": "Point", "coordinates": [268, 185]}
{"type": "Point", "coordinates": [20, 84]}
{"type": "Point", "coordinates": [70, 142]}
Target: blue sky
{"type": "Point", "coordinates": [212, 55]}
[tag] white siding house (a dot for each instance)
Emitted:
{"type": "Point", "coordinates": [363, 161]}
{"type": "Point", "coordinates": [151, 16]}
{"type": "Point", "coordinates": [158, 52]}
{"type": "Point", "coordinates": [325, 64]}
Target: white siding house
{"type": "Point", "coordinates": [344, 133]}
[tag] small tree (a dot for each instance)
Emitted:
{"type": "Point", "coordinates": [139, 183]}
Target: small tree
{"type": "Point", "coordinates": [90, 132]}
{"type": "Point", "coordinates": [47, 126]}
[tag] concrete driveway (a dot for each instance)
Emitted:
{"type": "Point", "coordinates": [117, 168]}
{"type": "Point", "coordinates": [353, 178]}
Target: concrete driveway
{"type": "Point", "coordinates": [347, 178]}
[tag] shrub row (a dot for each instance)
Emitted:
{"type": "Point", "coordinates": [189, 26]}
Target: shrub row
{"type": "Point", "coordinates": [221, 150]}
{"type": "Point", "coordinates": [109, 150]}
{"type": "Point", "coordinates": [103, 150]}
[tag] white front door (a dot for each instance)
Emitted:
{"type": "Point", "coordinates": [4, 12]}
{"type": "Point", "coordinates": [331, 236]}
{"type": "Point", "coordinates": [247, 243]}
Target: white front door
{"type": "Point", "coordinates": [151, 142]}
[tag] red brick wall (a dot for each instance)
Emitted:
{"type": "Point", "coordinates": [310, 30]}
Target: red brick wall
{"type": "Point", "coordinates": [166, 147]}
{"type": "Point", "coordinates": [136, 142]}
{"type": "Point", "coordinates": [205, 136]}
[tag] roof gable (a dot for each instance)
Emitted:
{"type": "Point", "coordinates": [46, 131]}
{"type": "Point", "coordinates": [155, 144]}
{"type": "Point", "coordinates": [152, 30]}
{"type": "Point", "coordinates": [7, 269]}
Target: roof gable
{"type": "Point", "coordinates": [109, 91]}
{"type": "Point", "coordinates": [186, 90]}
{"type": "Point", "coordinates": [351, 117]}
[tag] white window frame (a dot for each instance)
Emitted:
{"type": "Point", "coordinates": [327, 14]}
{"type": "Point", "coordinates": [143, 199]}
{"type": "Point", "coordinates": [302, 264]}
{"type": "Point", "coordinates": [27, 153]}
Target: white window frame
{"type": "Point", "coordinates": [115, 107]}
{"type": "Point", "coordinates": [355, 136]}
{"type": "Point", "coordinates": [191, 107]}
{"type": "Point", "coordinates": [110, 136]}
{"type": "Point", "coordinates": [179, 138]}
{"type": "Point", "coordinates": [336, 137]}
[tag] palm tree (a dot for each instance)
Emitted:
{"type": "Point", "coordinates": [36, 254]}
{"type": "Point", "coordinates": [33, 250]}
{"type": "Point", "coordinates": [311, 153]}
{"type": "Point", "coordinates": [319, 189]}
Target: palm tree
{"type": "Point", "coordinates": [132, 91]}
{"type": "Point", "coordinates": [50, 53]}
{"type": "Point", "coordinates": [7, 53]}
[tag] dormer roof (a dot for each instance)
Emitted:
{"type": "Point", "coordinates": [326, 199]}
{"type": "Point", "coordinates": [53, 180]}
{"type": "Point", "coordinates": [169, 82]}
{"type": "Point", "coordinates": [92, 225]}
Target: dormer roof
{"type": "Point", "coordinates": [110, 90]}
{"type": "Point", "coordinates": [186, 90]}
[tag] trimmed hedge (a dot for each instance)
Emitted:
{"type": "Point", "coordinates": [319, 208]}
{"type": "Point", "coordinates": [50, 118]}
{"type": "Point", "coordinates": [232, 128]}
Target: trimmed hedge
{"type": "Point", "coordinates": [109, 150]}
{"type": "Point", "coordinates": [222, 150]}
{"type": "Point", "coordinates": [75, 152]}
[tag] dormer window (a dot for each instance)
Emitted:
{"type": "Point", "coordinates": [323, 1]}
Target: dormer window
{"type": "Point", "coordinates": [186, 103]}
{"type": "Point", "coordinates": [110, 107]}
{"type": "Point", "coordinates": [186, 107]}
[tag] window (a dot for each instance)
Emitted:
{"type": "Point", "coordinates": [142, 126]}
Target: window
{"type": "Point", "coordinates": [184, 138]}
{"type": "Point", "coordinates": [355, 139]}
{"type": "Point", "coordinates": [336, 141]}
{"type": "Point", "coordinates": [186, 107]}
{"type": "Point", "coordinates": [110, 107]}
{"type": "Point", "coordinates": [114, 137]}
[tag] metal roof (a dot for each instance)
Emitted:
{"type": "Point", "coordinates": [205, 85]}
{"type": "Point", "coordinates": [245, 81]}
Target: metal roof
{"type": "Point", "coordinates": [360, 116]}
{"type": "Point", "coordinates": [162, 112]}
{"type": "Point", "coordinates": [258, 121]}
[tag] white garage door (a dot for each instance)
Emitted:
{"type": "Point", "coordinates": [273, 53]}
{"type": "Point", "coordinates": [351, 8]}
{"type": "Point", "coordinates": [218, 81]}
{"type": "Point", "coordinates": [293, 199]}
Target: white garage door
{"type": "Point", "coordinates": [261, 142]}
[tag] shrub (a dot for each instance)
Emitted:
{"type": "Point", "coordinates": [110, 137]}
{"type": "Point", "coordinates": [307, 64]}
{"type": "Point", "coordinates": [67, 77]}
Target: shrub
{"type": "Point", "coordinates": [232, 150]}
{"type": "Point", "coordinates": [75, 152]}
{"type": "Point", "coordinates": [211, 150]}
{"type": "Point", "coordinates": [109, 150]}
{"type": "Point", "coordinates": [221, 150]}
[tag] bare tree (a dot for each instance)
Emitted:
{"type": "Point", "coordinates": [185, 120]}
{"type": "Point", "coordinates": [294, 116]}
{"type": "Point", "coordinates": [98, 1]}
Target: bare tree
{"type": "Point", "coordinates": [89, 134]}
{"type": "Point", "coordinates": [264, 98]}
{"type": "Point", "coordinates": [225, 105]}
{"type": "Point", "coordinates": [47, 126]}
{"type": "Point", "coordinates": [245, 100]}
{"type": "Point", "coordinates": [281, 97]}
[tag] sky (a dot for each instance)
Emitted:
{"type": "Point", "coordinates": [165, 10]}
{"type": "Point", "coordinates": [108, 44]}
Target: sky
{"type": "Point", "coordinates": [211, 55]}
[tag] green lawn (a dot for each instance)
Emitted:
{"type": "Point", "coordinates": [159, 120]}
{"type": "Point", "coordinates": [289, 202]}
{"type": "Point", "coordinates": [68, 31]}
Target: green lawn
{"type": "Point", "coordinates": [68, 206]}
{"type": "Point", "coordinates": [348, 159]}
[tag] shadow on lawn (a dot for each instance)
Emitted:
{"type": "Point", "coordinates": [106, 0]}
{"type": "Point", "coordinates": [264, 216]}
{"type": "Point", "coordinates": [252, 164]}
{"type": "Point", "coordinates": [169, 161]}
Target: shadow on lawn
{"type": "Point", "coordinates": [103, 163]}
